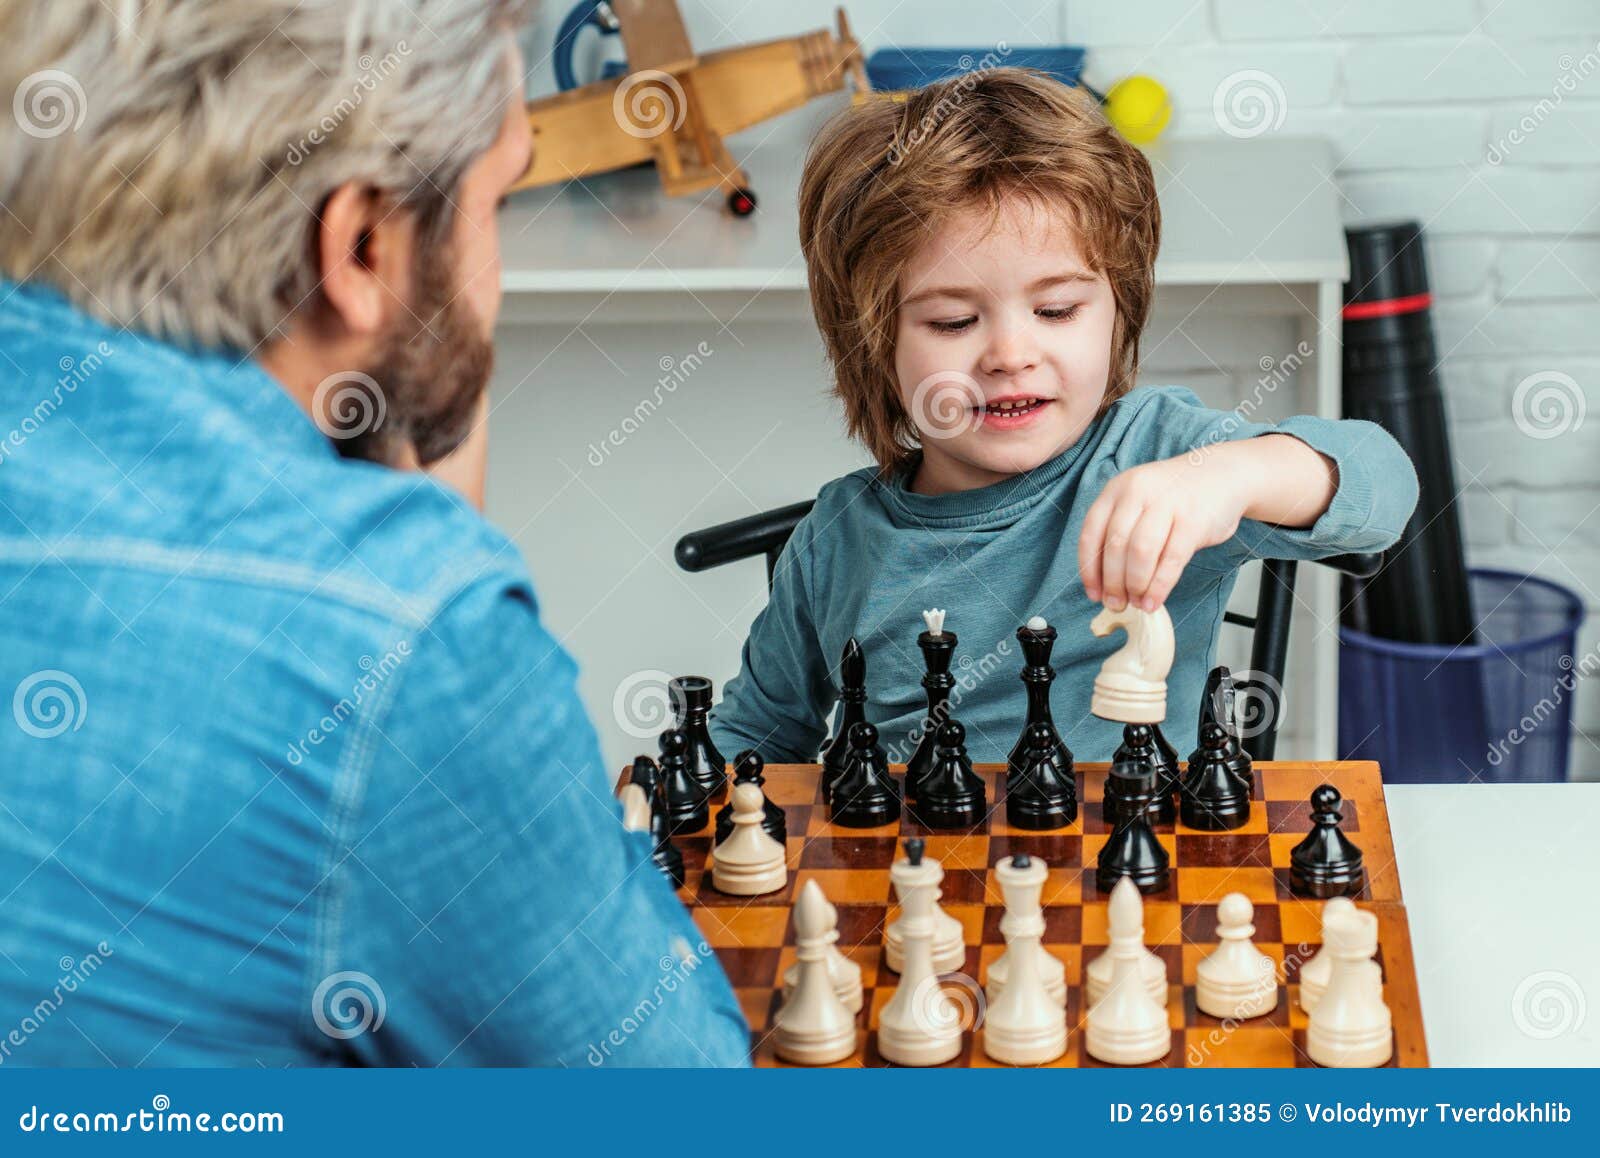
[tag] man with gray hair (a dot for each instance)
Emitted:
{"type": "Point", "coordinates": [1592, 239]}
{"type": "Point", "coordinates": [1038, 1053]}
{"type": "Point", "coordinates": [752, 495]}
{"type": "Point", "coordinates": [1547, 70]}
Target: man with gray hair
{"type": "Point", "coordinates": [293, 763]}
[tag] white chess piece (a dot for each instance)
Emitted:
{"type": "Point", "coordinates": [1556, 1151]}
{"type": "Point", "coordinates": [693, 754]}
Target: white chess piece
{"type": "Point", "coordinates": [1236, 980]}
{"type": "Point", "coordinates": [750, 861]}
{"type": "Point", "coordinates": [1314, 973]}
{"type": "Point", "coordinates": [1132, 684]}
{"type": "Point", "coordinates": [1052, 970]}
{"type": "Point", "coordinates": [1125, 923]}
{"type": "Point", "coordinates": [949, 938]}
{"type": "Point", "coordinates": [1127, 1027]}
{"type": "Point", "coordinates": [635, 809]}
{"type": "Point", "coordinates": [843, 972]}
{"type": "Point", "coordinates": [920, 1026]}
{"type": "Point", "coordinates": [1025, 1024]}
{"type": "Point", "coordinates": [814, 1027]}
{"type": "Point", "coordinates": [1351, 1027]}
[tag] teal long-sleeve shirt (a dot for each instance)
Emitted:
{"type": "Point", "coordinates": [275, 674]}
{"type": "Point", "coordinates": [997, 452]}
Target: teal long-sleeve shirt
{"type": "Point", "coordinates": [872, 555]}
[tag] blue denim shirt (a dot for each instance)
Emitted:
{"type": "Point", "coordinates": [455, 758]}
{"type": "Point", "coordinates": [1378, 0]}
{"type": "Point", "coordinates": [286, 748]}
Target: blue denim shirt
{"type": "Point", "coordinates": [292, 773]}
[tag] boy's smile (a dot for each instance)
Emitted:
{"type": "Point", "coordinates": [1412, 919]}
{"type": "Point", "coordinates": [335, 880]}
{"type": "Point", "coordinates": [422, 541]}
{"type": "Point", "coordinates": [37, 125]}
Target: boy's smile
{"type": "Point", "coordinates": [1003, 344]}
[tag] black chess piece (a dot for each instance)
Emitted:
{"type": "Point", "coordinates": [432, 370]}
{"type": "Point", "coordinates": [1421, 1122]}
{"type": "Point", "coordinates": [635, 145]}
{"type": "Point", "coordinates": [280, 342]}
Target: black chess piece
{"type": "Point", "coordinates": [1040, 794]}
{"type": "Point", "coordinates": [865, 795]}
{"type": "Point", "coordinates": [1037, 677]}
{"type": "Point", "coordinates": [1133, 850]}
{"type": "Point", "coordinates": [1219, 705]}
{"type": "Point", "coordinates": [1169, 773]}
{"type": "Point", "coordinates": [747, 768]}
{"type": "Point", "coordinates": [852, 711]}
{"type": "Point", "coordinates": [937, 652]}
{"type": "Point", "coordinates": [688, 802]}
{"type": "Point", "coordinates": [1326, 863]}
{"type": "Point", "coordinates": [952, 794]}
{"type": "Point", "coordinates": [691, 702]}
{"type": "Point", "coordinates": [666, 856]}
{"type": "Point", "coordinates": [1213, 798]}
{"type": "Point", "coordinates": [1139, 756]}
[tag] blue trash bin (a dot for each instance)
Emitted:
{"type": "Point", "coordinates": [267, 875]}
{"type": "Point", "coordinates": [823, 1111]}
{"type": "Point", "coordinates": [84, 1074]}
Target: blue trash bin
{"type": "Point", "coordinates": [1498, 710]}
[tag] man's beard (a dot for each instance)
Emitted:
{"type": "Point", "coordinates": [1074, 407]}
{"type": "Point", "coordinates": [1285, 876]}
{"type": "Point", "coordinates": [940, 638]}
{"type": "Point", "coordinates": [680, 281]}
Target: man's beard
{"type": "Point", "coordinates": [431, 369]}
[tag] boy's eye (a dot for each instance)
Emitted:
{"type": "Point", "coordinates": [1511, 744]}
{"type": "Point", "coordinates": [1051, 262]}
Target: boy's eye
{"type": "Point", "coordinates": [953, 326]}
{"type": "Point", "coordinates": [1059, 314]}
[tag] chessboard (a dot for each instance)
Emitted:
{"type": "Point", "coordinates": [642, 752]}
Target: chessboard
{"type": "Point", "coordinates": [754, 936]}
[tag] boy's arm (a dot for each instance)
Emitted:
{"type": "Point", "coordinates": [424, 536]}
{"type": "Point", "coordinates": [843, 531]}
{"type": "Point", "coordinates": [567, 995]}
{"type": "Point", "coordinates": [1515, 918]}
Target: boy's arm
{"type": "Point", "coordinates": [779, 702]}
{"type": "Point", "coordinates": [1197, 478]}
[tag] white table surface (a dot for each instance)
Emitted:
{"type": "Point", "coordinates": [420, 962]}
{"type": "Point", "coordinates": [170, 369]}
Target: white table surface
{"type": "Point", "coordinates": [1234, 212]}
{"type": "Point", "coordinates": [1502, 887]}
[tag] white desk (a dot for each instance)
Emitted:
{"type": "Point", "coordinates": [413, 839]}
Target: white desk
{"type": "Point", "coordinates": [1257, 221]}
{"type": "Point", "coordinates": [1502, 886]}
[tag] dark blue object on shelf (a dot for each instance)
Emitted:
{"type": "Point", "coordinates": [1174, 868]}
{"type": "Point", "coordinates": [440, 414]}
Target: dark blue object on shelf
{"type": "Point", "coordinates": [891, 69]}
{"type": "Point", "coordinates": [1498, 710]}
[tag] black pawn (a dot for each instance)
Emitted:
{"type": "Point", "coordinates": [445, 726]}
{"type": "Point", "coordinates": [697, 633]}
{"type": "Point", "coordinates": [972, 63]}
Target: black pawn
{"type": "Point", "coordinates": [691, 701]}
{"type": "Point", "coordinates": [865, 795]}
{"type": "Point", "coordinates": [1133, 850]}
{"type": "Point", "coordinates": [1213, 798]}
{"type": "Point", "coordinates": [937, 652]}
{"type": "Point", "coordinates": [1219, 705]}
{"type": "Point", "coordinates": [1037, 676]}
{"type": "Point", "coordinates": [665, 855]}
{"type": "Point", "coordinates": [747, 768]}
{"type": "Point", "coordinates": [1169, 773]}
{"type": "Point", "coordinates": [852, 711]}
{"type": "Point", "coordinates": [1138, 757]}
{"type": "Point", "coordinates": [1325, 863]}
{"type": "Point", "coordinates": [952, 794]}
{"type": "Point", "coordinates": [688, 802]}
{"type": "Point", "coordinates": [1040, 794]}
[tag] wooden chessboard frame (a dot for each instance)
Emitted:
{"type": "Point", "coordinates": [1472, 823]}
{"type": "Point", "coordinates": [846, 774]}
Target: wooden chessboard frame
{"type": "Point", "coordinates": [754, 936]}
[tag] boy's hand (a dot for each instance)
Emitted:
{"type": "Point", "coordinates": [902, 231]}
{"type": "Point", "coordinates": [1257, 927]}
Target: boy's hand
{"type": "Point", "coordinates": [1149, 521]}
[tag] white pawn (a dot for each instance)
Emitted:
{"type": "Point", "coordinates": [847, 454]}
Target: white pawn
{"type": "Point", "coordinates": [920, 1026]}
{"type": "Point", "coordinates": [1315, 972]}
{"type": "Point", "coordinates": [814, 1027]}
{"type": "Point", "coordinates": [949, 938]}
{"type": "Point", "coordinates": [1236, 980]}
{"type": "Point", "coordinates": [1127, 1027]}
{"type": "Point", "coordinates": [750, 861]}
{"type": "Point", "coordinates": [1125, 922]}
{"type": "Point", "coordinates": [1351, 1026]}
{"type": "Point", "coordinates": [843, 972]}
{"type": "Point", "coordinates": [1024, 906]}
{"type": "Point", "coordinates": [1025, 1024]}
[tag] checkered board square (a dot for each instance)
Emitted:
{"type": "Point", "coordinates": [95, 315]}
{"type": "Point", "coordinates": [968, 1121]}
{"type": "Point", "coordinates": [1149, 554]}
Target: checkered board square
{"type": "Point", "coordinates": [754, 936]}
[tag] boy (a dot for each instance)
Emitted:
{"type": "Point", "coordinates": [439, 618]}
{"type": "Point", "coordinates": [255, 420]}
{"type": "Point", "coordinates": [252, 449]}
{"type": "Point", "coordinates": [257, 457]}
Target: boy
{"type": "Point", "coordinates": [981, 262]}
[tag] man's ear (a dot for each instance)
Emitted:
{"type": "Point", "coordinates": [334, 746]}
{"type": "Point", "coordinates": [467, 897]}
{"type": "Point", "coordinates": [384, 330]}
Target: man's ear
{"type": "Point", "coordinates": [364, 249]}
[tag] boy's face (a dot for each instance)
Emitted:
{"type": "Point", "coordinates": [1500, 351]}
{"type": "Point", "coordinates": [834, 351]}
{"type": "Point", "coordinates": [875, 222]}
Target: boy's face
{"type": "Point", "coordinates": [1003, 345]}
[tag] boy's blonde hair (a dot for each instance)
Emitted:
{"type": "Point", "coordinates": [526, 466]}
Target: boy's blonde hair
{"type": "Point", "coordinates": [882, 174]}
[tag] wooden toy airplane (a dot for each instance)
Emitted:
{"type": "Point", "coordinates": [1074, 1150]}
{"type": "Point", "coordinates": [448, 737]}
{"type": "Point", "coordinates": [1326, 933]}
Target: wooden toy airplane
{"type": "Point", "coordinates": [674, 106]}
